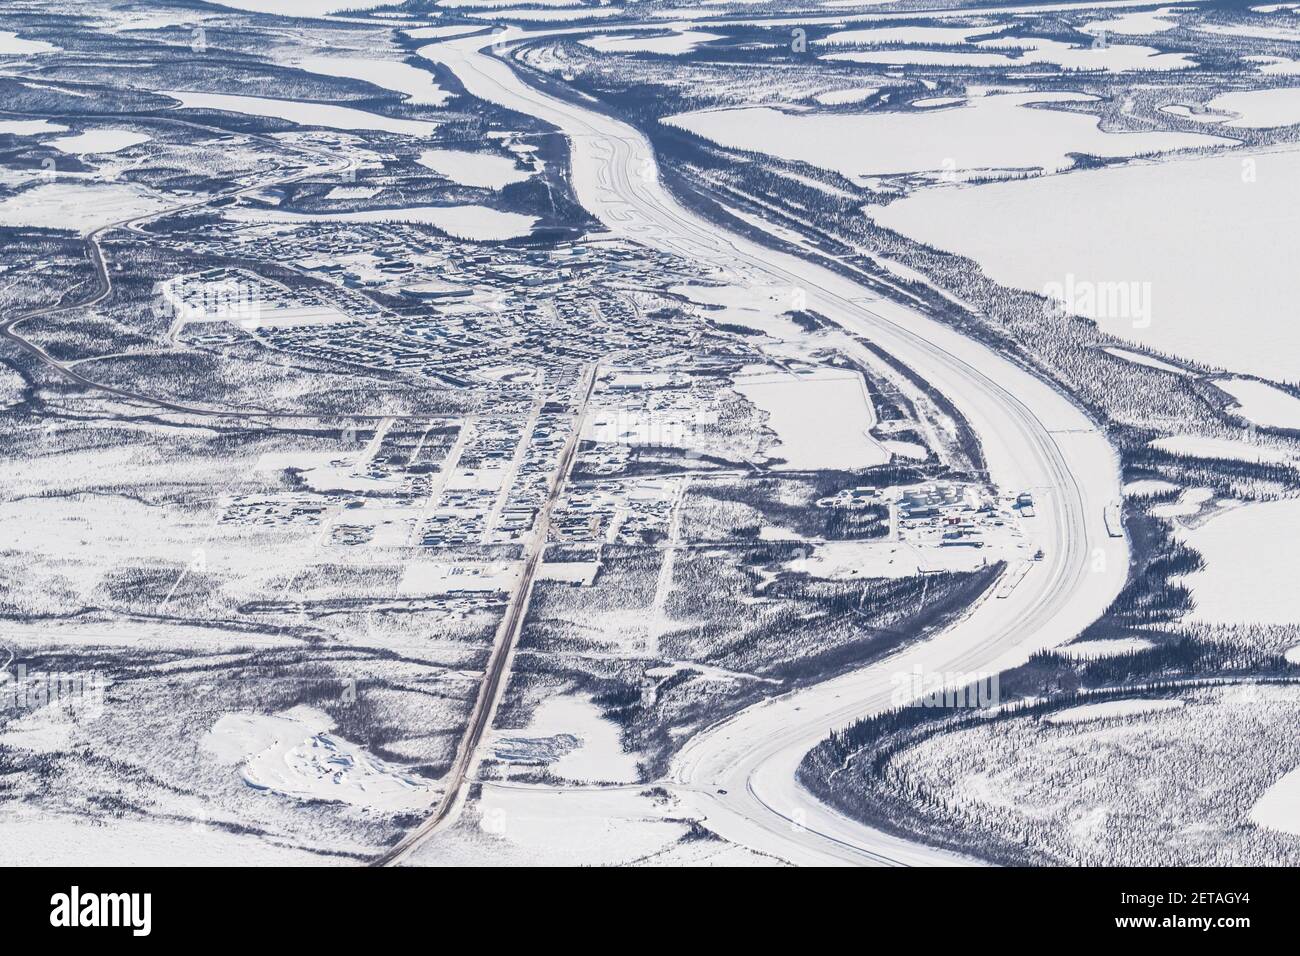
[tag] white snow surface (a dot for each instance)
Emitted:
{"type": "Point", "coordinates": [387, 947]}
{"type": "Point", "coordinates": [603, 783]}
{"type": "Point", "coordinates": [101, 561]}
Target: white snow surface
{"type": "Point", "coordinates": [1279, 807]}
{"type": "Point", "coordinates": [418, 85]}
{"type": "Point", "coordinates": [99, 141]}
{"type": "Point", "coordinates": [11, 44]}
{"type": "Point", "coordinates": [78, 206]}
{"type": "Point", "coordinates": [1262, 403]}
{"type": "Point", "coordinates": [1128, 707]}
{"type": "Point", "coordinates": [1249, 555]}
{"type": "Point", "coordinates": [599, 756]}
{"type": "Point", "coordinates": [1094, 650]}
{"type": "Point", "coordinates": [1260, 109]}
{"type": "Point", "coordinates": [1151, 223]}
{"type": "Point", "coordinates": [994, 132]}
{"type": "Point", "coordinates": [808, 437]}
{"type": "Point", "coordinates": [294, 754]}
{"type": "Point", "coordinates": [683, 41]}
{"type": "Point", "coordinates": [483, 170]}
{"type": "Point", "coordinates": [303, 113]}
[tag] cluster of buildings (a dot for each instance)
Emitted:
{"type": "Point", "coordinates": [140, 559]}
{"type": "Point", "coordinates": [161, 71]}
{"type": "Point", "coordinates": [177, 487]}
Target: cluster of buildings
{"type": "Point", "coordinates": [401, 298]}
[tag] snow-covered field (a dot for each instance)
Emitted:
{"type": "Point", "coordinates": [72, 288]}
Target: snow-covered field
{"type": "Point", "coordinates": [807, 437]}
{"type": "Point", "coordinates": [1111, 709]}
{"type": "Point", "coordinates": [678, 42]}
{"type": "Point", "coordinates": [854, 94]}
{"type": "Point", "coordinates": [1094, 650]}
{"type": "Point", "coordinates": [78, 206]}
{"type": "Point", "coordinates": [1226, 448]}
{"type": "Point", "coordinates": [1112, 57]}
{"type": "Point", "coordinates": [596, 754]}
{"type": "Point", "coordinates": [1279, 807]}
{"type": "Point", "coordinates": [99, 141]}
{"type": "Point", "coordinates": [29, 127]}
{"type": "Point", "coordinates": [1260, 109]}
{"type": "Point", "coordinates": [11, 44]}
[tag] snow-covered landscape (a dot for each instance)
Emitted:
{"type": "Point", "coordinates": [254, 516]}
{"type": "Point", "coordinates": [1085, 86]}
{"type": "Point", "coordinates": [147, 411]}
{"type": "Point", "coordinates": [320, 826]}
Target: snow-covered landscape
{"type": "Point", "coordinates": [564, 433]}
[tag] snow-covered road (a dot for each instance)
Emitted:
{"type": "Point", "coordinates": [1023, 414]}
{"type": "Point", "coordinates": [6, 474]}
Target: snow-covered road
{"type": "Point", "coordinates": [739, 775]}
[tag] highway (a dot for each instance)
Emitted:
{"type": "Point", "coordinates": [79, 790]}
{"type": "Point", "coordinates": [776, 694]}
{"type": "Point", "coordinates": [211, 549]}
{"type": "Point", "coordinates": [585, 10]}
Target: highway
{"type": "Point", "coordinates": [739, 775]}
{"type": "Point", "coordinates": [502, 655]}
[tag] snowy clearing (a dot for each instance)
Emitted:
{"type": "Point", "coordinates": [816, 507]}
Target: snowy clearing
{"type": "Point", "coordinates": [29, 127]}
{"type": "Point", "coordinates": [1260, 109]}
{"type": "Point", "coordinates": [1197, 447]}
{"type": "Point", "coordinates": [807, 436]}
{"type": "Point", "coordinates": [597, 754]}
{"type": "Point", "coordinates": [11, 44]}
{"type": "Point", "coordinates": [675, 43]}
{"type": "Point", "coordinates": [80, 207]}
{"type": "Point", "coordinates": [1279, 807]}
{"type": "Point", "coordinates": [1095, 650]}
{"type": "Point", "coordinates": [1128, 707]}
{"type": "Point", "coordinates": [854, 94]}
{"type": "Point", "coordinates": [416, 83]}
{"type": "Point", "coordinates": [482, 170]}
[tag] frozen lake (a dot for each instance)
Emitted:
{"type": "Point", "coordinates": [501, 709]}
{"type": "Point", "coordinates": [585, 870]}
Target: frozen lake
{"type": "Point", "coordinates": [997, 131]}
{"type": "Point", "coordinates": [304, 113]}
{"type": "Point", "coordinates": [1226, 303]}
